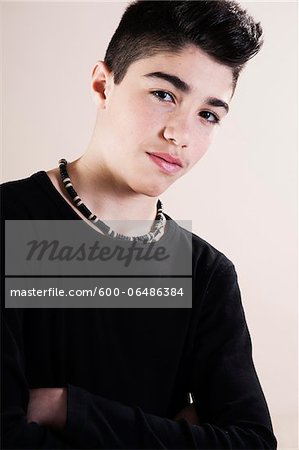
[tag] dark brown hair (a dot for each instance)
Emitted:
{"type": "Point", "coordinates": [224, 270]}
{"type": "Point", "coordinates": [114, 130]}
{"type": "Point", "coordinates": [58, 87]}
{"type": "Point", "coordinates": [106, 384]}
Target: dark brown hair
{"type": "Point", "coordinates": [221, 28]}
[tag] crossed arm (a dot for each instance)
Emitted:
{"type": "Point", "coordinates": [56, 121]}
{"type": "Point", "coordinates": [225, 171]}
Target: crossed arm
{"type": "Point", "coordinates": [48, 407]}
{"type": "Point", "coordinates": [233, 413]}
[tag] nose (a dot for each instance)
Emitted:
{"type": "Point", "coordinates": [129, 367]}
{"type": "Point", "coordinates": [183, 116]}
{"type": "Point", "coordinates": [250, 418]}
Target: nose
{"type": "Point", "coordinates": [177, 131]}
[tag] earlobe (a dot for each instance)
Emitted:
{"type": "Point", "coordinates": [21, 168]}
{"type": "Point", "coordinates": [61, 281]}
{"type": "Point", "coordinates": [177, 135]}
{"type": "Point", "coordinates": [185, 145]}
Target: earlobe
{"type": "Point", "coordinates": [101, 80]}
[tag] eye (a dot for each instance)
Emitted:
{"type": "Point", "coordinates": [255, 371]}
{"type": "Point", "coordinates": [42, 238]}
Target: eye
{"type": "Point", "coordinates": [210, 117]}
{"type": "Point", "coordinates": [163, 96]}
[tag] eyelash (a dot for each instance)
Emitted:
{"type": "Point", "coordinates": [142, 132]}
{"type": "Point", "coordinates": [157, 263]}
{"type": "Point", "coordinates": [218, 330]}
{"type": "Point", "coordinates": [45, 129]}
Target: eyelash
{"type": "Point", "coordinates": [216, 120]}
{"type": "Point", "coordinates": [154, 93]}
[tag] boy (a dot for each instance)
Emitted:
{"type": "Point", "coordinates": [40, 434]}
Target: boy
{"type": "Point", "coordinates": [121, 378]}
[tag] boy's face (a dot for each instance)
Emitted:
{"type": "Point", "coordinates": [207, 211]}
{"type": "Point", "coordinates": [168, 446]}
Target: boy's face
{"type": "Point", "coordinates": [167, 104]}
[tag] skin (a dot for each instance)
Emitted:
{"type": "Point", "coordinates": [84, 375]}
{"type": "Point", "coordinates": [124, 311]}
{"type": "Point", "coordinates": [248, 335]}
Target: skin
{"type": "Point", "coordinates": [48, 407]}
{"type": "Point", "coordinates": [116, 178]}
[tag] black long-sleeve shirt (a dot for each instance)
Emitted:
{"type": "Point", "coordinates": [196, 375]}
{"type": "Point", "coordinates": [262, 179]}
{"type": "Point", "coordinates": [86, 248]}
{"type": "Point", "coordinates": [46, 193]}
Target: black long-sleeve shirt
{"type": "Point", "coordinates": [128, 372]}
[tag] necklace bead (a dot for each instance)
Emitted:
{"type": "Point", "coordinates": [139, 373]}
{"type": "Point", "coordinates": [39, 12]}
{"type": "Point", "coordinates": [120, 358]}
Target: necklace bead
{"type": "Point", "coordinates": [156, 228]}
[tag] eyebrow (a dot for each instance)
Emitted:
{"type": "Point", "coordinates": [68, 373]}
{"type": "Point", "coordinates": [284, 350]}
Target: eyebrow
{"type": "Point", "coordinates": [173, 79]}
{"type": "Point", "coordinates": [186, 88]}
{"type": "Point", "coordinates": [213, 101]}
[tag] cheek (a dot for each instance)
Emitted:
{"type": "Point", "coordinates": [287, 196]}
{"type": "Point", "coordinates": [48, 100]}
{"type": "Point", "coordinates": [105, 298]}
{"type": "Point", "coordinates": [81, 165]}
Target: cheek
{"type": "Point", "coordinates": [134, 115]}
{"type": "Point", "coordinates": [139, 122]}
{"type": "Point", "coordinates": [200, 147]}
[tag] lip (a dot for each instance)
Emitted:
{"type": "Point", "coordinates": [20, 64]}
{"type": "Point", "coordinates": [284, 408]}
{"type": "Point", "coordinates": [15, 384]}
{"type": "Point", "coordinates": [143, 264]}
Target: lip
{"type": "Point", "coordinates": [165, 166]}
{"type": "Point", "coordinates": [168, 158]}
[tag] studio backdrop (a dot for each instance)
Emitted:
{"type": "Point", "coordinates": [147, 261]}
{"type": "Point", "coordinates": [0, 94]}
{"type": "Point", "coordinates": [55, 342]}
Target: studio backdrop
{"type": "Point", "coordinates": [242, 195]}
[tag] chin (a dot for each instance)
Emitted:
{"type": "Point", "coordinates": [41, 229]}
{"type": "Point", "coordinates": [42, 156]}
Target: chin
{"type": "Point", "coordinates": [150, 190]}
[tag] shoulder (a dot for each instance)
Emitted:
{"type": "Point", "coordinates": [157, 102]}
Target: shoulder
{"type": "Point", "coordinates": [21, 197]}
{"type": "Point", "coordinates": [213, 273]}
{"type": "Point", "coordinates": [16, 187]}
{"type": "Point", "coordinates": [205, 257]}
{"type": "Point", "coordinates": [204, 250]}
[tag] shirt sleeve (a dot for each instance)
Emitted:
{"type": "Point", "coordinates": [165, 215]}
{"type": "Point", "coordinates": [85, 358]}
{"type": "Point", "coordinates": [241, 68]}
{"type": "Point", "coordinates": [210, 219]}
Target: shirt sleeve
{"type": "Point", "coordinates": [227, 395]}
{"type": "Point", "coordinates": [225, 387]}
{"type": "Point", "coordinates": [226, 391]}
{"type": "Point", "coordinates": [16, 433]}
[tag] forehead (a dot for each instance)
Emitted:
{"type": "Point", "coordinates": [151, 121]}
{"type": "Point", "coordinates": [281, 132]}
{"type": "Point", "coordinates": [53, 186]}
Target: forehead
{"type": "Point", "coordinates": [198, 70]}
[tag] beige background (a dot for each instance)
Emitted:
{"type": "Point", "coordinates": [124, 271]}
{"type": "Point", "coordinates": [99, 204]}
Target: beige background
{"type": "Point", "coordinates": [242, 196]}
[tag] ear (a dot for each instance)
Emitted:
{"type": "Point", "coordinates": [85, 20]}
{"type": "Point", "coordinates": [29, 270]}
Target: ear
{"type": "Point", "coordinates": [102, 80]}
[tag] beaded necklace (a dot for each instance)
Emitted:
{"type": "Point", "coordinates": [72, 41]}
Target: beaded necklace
{"type": "Point", "coordinates": [156, 228]}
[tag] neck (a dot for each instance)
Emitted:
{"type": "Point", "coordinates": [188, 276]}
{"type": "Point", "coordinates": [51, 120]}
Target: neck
{"type": "Point", "coordinates": [116, 204]}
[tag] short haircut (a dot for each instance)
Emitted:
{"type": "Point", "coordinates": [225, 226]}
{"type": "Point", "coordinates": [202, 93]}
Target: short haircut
{"type": "Point", "coordinates": [221, 28]}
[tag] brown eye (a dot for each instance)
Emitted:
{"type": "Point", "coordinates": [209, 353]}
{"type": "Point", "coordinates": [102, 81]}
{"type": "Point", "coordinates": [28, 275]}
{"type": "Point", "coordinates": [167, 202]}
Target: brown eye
{"type": "Point", "coordinates": [163, 96]}
{"type": "Point", "coordinates": [210, 117]}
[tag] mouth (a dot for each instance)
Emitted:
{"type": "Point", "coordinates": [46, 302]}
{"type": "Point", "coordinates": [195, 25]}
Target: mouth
{"type": "Point", "coordinates": [165, 165]}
